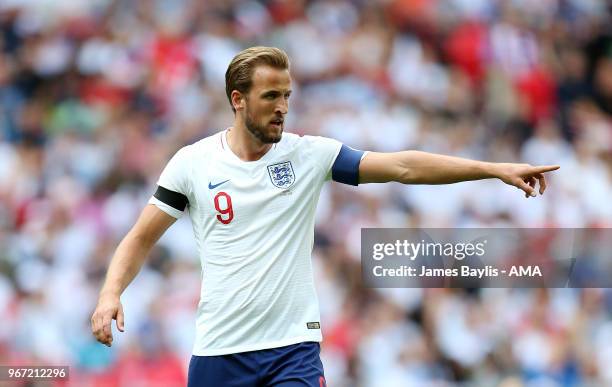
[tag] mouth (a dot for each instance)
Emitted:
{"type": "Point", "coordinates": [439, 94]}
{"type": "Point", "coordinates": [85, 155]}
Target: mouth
{"type": "Point", "coordinates": [277, 123]}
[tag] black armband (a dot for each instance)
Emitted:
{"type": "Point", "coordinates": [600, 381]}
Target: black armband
{"type": "Point", "coordinates": [175, 200]}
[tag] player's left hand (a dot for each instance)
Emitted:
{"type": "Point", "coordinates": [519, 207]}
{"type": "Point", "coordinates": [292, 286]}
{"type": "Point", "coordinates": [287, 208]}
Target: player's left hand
{"type": "Point", "coordinates": [524, 176]}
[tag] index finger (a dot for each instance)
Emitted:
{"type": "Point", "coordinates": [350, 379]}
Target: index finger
{"type": "Point", "coordinates": [544, 168]}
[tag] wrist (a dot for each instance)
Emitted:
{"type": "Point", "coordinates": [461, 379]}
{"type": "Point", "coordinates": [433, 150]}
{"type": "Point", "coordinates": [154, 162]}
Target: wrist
{"type": "Point", "coordinates": [494, 170]}
{"type": "Point", "coordinates": [110, 293]}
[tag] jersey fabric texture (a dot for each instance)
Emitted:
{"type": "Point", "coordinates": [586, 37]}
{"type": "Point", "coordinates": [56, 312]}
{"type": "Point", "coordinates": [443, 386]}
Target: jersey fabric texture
{"type": "Point", "coordinates": [297, 365]}
{"type": "Point", "coordinates": [254, 229]}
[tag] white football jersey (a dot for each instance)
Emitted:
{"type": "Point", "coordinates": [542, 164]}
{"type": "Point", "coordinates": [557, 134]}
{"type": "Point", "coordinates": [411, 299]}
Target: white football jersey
{"type": "Point", "coordinates": [254, 228]}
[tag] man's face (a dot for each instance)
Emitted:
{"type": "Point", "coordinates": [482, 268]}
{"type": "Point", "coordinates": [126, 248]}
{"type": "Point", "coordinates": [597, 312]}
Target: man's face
{"type": "Point", "coordinates": [267, 103]}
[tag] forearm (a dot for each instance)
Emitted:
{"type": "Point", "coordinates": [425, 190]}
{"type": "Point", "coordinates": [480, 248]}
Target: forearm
{"type": "Point", "coordinates": [428, 168]}
{"type": "Point", "coordinates": [415, 167]}
{"type": "Point", "coordinates": [134, 248]}
{"type": "Point", "coordinates": [125, 264]}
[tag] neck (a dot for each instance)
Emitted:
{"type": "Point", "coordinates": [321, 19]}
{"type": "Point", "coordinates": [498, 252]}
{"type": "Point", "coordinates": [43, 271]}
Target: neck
{"type": "Point", "coordinates": [244, 145]}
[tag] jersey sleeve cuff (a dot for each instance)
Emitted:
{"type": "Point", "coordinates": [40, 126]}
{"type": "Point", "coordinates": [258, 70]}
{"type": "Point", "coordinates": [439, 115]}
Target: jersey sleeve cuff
{"type": "Point", "coordinates": [166, 208]}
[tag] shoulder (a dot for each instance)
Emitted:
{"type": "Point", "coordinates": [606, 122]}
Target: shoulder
{"type": "Point", "coordinates": [320, 141]}
{"type": "Point", "coordinates": [292, 140]}
{"type": "Point", "coordinates": [321, 146]}
{"type": "Point", "coordinates": [204, 148]}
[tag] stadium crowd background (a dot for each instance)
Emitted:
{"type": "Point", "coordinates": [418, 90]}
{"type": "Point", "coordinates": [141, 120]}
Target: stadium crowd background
{"type": "Point", "coordinates": [97, 95]}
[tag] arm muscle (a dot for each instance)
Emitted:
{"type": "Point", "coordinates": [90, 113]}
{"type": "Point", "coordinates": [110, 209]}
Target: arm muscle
{"type": "Point", "coordinates": [134, 248]}
{"type": "Point", "coordinates": [415, 167]}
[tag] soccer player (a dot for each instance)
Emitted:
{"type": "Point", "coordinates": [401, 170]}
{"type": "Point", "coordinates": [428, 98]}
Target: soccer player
{"type": "Point", "coordinates": [251, 192]}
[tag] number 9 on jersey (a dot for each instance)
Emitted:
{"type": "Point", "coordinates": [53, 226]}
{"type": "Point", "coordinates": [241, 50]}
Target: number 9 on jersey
{"type": "Point", "coordinates": [223, 205]}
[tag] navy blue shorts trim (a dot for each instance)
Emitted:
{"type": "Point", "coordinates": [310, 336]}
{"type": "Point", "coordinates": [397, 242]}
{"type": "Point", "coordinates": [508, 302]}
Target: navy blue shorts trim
{"type": "Point", "coordinates": [297, 365]}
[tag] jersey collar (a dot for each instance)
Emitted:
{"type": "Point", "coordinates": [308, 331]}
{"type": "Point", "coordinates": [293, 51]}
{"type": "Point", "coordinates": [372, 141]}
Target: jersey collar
{"type": "Point", "coordinates": [227, 150]}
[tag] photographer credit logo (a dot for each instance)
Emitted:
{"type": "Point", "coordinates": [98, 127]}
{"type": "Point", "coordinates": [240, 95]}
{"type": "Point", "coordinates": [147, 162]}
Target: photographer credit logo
{"type": "Point", "coordinates": [496, 257]}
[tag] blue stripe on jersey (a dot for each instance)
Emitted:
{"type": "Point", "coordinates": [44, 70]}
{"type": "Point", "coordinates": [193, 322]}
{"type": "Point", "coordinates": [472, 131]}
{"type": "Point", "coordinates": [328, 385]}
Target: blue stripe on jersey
{"type": "Point", "coordinates": [346, 167]}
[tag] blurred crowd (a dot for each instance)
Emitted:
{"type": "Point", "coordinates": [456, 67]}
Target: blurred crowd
{"type": "Point", "coordinates": [96, 96]}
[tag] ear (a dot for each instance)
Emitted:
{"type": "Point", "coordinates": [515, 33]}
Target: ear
{"type": "Point", "coordinates": [238, 100]}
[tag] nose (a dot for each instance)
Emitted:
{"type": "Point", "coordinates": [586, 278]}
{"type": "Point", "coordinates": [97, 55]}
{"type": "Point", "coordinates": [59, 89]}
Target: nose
{"type": "Point", "coordinates": [282, 107]}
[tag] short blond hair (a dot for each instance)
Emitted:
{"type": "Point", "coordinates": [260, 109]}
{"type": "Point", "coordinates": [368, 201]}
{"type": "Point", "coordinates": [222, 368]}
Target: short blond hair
{"type": "Point", "coordinates": [239, 74]}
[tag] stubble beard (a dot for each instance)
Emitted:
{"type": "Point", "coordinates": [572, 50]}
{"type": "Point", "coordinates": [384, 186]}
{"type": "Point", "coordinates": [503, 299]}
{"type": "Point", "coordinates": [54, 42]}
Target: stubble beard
{"type": "Point", "coordinates": [260, 131]}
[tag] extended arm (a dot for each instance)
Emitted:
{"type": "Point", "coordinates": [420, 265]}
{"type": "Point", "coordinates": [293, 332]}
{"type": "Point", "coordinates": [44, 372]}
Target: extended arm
{"type": "Point", "coordinates": [124, 266]}
{"type": "Point", "coordinates": [415, 167]}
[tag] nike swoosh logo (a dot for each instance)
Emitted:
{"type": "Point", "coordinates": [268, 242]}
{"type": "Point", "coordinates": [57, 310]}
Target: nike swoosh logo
{"type": "Point", "coordinates": [213, 186]}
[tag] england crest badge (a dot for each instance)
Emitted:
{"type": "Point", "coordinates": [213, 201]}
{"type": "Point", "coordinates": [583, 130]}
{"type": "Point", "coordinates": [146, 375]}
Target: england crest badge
{"type": "Point", "coordinates": [282, 174]}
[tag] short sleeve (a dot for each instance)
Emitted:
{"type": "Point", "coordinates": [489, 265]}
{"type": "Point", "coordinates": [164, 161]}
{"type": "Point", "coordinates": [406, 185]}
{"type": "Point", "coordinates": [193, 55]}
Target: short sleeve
{"type": "Point", "coordinates": [324, 152]}
{"type": "Point", "coordinates": [337, 161]}
{"type": "Point", "coordinates": [173, 185]}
